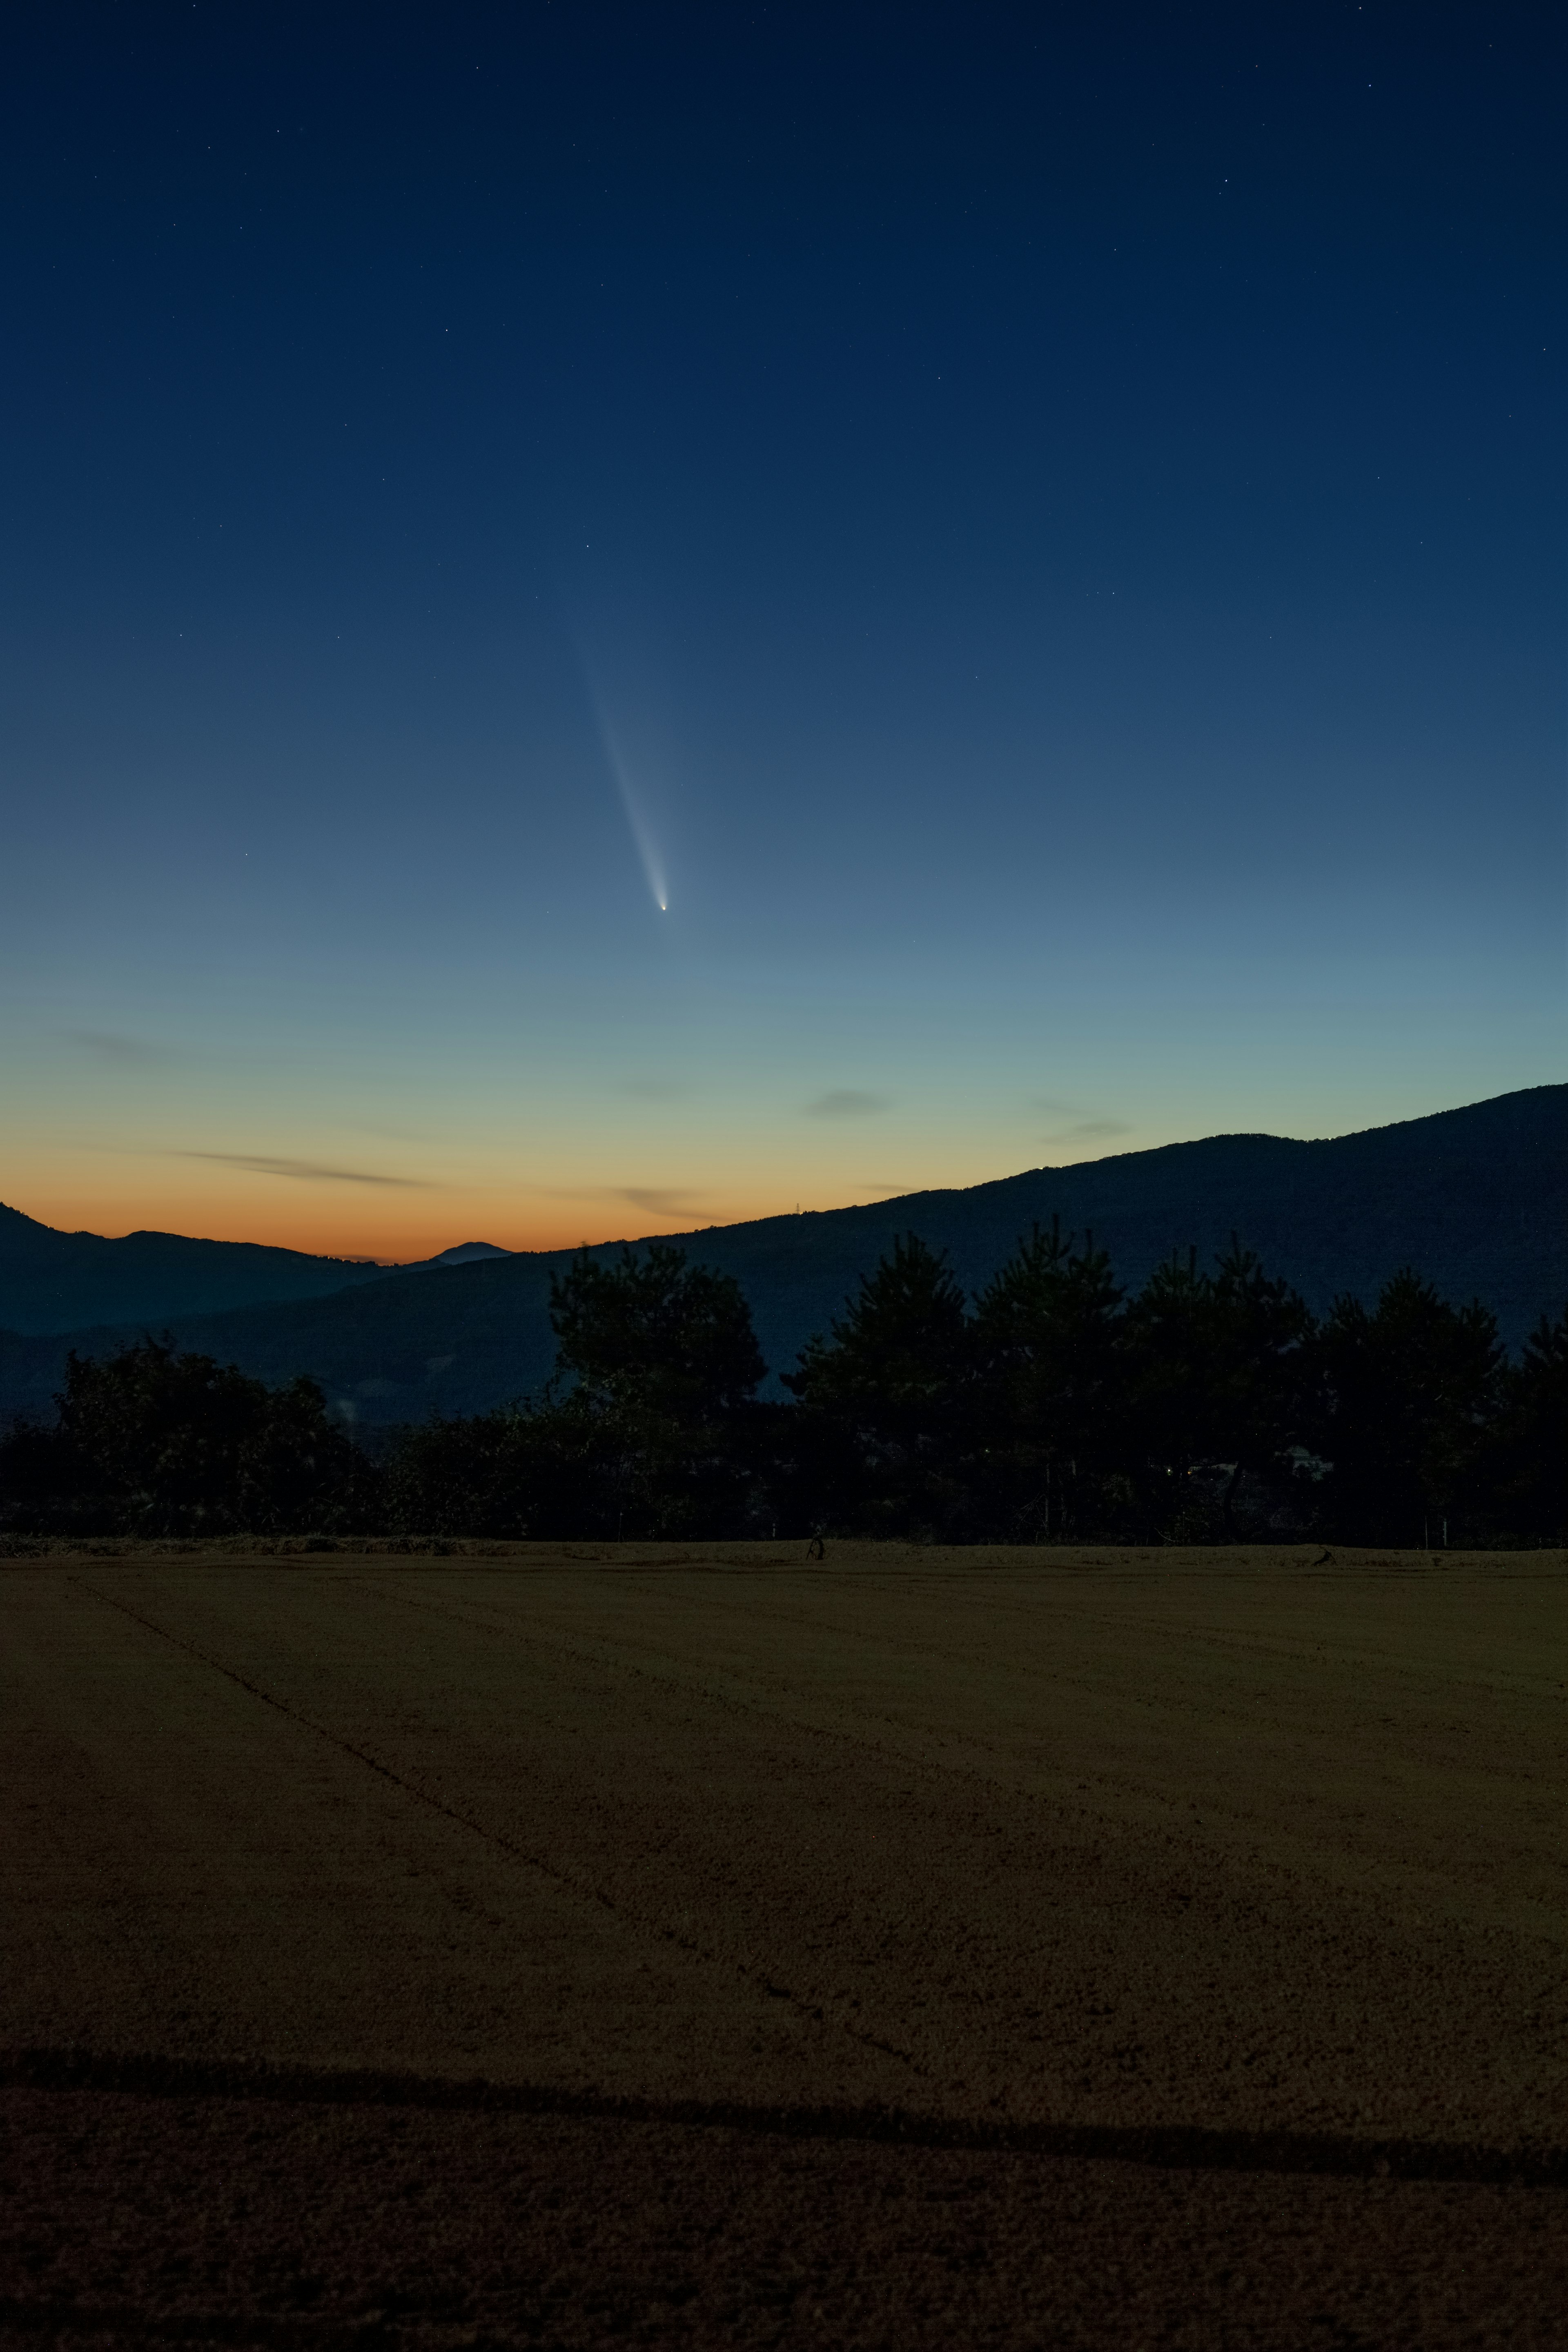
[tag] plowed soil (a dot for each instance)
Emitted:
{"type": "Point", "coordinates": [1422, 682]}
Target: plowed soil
{"type": "Point", "coordinates": [708, 1947]}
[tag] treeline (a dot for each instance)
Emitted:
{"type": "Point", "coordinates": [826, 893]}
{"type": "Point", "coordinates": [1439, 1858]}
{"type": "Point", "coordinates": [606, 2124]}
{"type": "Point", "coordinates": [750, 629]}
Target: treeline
{"type": "Point", "coordinates": [1210, 1407]}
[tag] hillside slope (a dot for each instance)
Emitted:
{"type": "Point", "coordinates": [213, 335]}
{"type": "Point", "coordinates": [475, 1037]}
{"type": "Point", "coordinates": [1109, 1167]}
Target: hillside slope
{"type": "Point", "coordinates": [52, 1281]}
{"type": "Point", "coordinates": [1476, 1200]}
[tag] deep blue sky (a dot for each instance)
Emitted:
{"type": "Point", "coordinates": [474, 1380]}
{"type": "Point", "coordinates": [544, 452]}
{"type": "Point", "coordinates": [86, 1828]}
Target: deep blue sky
{"type": "Point", "coordinates": [1038, 533]}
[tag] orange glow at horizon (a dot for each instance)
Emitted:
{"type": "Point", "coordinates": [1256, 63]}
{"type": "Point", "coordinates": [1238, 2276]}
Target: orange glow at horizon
{"type": "Point", "coordinates": [398, 1233]}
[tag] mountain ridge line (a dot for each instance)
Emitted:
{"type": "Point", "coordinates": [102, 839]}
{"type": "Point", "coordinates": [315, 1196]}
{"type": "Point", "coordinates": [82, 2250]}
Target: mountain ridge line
{"type": "Point", "coordinates": [1475, 1199]}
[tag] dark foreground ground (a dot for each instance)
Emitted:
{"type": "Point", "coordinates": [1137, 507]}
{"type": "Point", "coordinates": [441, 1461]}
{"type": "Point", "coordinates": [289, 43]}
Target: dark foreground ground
{"type": "Point", "coordinates": [1094, 1950]}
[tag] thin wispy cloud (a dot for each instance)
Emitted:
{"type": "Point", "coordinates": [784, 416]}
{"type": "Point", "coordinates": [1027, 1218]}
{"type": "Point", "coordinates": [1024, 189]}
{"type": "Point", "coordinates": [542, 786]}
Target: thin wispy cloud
{"type": "Point", "coordinates": [846, 1102]}
{"type": "Point", "coordinates": [1076, 1130]}
{"type": "Point", "coordinates": [305, 1171]}
{"type": "Point", "coordinates": [659, 1200]}
{"type": "Point", "coordinates": [671, 1201]}
{"type": "Point", "coordinates": [112, 1045]}
{"type": "Point", "coordinates": [1087, 1130]}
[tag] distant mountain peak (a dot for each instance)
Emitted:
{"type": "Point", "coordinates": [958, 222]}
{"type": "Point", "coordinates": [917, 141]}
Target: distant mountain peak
{"type": "Point", "coordinates": [461, 1253]}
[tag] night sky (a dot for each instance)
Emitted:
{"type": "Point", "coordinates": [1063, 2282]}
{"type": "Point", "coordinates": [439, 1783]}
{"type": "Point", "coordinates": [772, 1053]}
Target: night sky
{"type": "Point", "coordinates": [620, 618]}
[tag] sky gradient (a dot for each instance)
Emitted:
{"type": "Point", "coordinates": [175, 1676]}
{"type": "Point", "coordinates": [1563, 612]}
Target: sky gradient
{"type": "Point", "coordinates": [1039, 540]}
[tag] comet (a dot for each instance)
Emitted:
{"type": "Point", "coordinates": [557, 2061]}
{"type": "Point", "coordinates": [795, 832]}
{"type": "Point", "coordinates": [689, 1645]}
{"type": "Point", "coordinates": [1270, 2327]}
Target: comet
{"type": "Point", "coordinates": [647, 847]}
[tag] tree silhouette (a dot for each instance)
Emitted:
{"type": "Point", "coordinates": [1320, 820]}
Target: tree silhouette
{"type": "Point", "coordinates": [1220, 1378]}
{"type": "Point", "coordinates": [1527, 1459]}
{"type": "Point", "coordinates": [655, 1437]}
{"type": "Point", "coordinates": [1058, 1408]}
{"type": "Point", "coordinates": [886, 1387]}
{"type": "Point", "coordinates": [1050, 1406]}
{"type": "Point", "coordinates": [150, 1443]}
{"type": "Point", "coordinates": [898, 1352]}
{"type": "Point", "coordinates": [1409, 1391]}
{"type": "Point", "coordinates": [672, 1338]}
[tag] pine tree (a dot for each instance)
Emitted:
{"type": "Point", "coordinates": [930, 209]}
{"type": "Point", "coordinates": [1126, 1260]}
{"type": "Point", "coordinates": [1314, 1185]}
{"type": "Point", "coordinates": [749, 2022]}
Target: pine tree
{"type": "Point", "coordinates": [890, 1382]}
{"type": "Point", "coordinates": [1049, 1404]}
{"type": "Point", "coordinates": [1410, 1392]}
{"type": "Point", "coordinates": [1526, 1462]}
{"type": "Point", "coordinates": [654, 1435]}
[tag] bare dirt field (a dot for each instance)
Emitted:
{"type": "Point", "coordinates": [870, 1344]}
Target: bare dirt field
{"type": "Point", "coordinates": [690, 1945]}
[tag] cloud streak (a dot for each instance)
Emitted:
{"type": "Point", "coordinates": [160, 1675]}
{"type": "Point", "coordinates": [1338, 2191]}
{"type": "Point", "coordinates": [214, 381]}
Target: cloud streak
{"type": "Point", "coordinates": [846, 1102]}
{"type": "Point", "coordinates": [1080, 1139]}
{"type": "Point", "coordinates": [306, 1172]}
{"type": "Point", "coordinates": [658, 1200]}
{"type": "Point", "coordinates": [670, 1200]}
{"type": "Point", "coordinates": [1082, 1130]}
{"type": "Point", "coordinates": [110, 1045]}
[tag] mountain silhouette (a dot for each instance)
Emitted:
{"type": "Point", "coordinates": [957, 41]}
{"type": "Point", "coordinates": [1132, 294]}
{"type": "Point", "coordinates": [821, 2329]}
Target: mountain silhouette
{"type": "Point", "coordinates": [51, 1281]}
{"type": "Point", "coordinates": [1476, 1200]}
{"type": "Point", "coordinates": [464, 1253]}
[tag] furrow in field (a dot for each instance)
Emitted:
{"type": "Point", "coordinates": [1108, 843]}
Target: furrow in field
{"type": "Point", "coordinates": [203, 1876]}
{"type": "Point", "coordinates": [564, 1873]}
{"type": "Point", "coordinates": [1333, 1834]}
{"type": "Point", "coordinates": [1036, 1966]}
